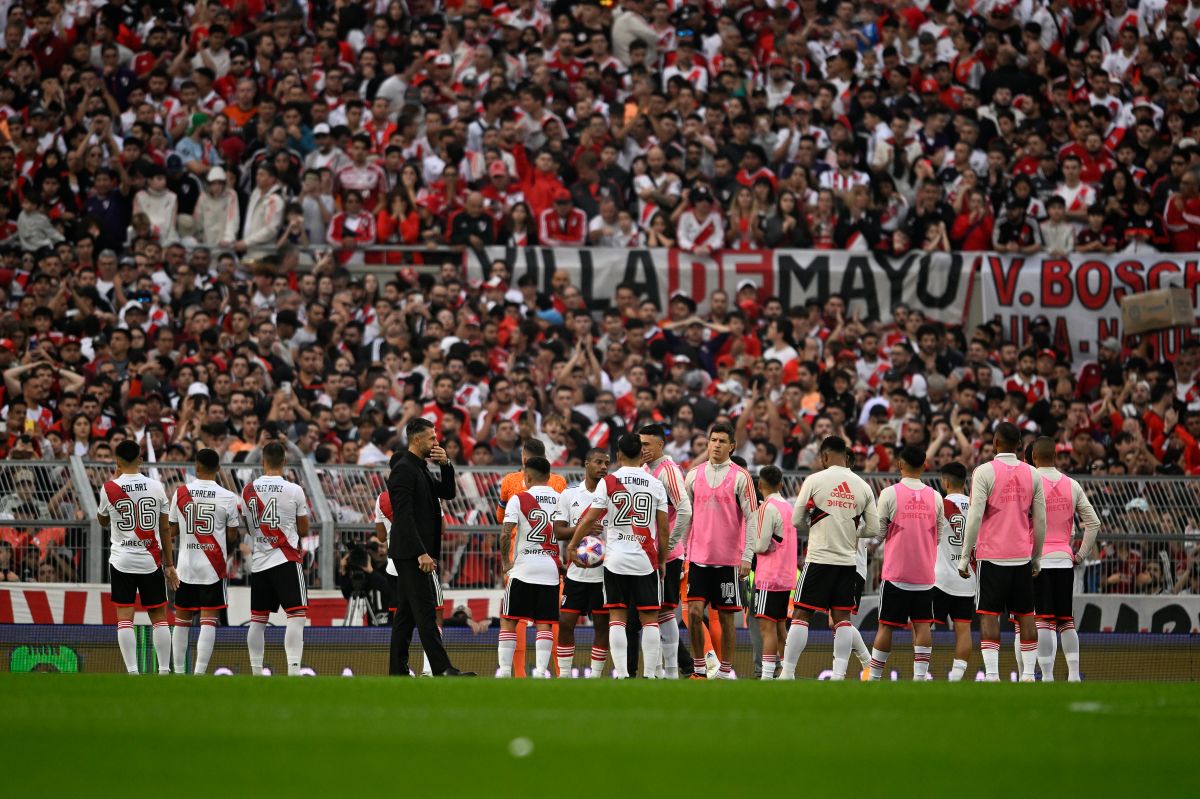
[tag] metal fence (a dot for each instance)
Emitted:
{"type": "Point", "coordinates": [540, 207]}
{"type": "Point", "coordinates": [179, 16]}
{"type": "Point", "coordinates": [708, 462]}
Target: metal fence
{"type": "Point", "coordinates": [1150, 541]}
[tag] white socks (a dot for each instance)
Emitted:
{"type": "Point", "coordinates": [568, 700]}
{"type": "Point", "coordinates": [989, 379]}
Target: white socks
{"type": "Point", "coordinates": [769, 662]}
{"type": "Point", "coordinates": [843, 643]}
{"type": "Point", "coordinates": [619, 644]}
{"type": "Point", "coordinates": [991, 660]}
{"type": "Point", "coordinates": [957, 670]}
{"type": "Point", "coordinates": [256, 641]}
{"type": "Point", "coordinates": [505, 652]}
{"type": "Point", "coordinates": [1070, 648]}
{"type": "Point", "coordinates": [668, 634]}
{"type": "Point", "coordinates": [179, 644]}
{"type": "Point", "coordinates": [127, 641]}
{"type": "Point", "coordinates": [797, 639]}
{"type": "Point", "coordinates": [651, 650]}
{"type": "Point", "coordinates": [204, 647]}
{"type": "Point", "coordinates": [921, 656]}
{"type": "Point", "coordinates": [162, 646]}
{"type": "Point", "coordinates": [878, 662]}
{"type": "Point", "coordinates": [1028, 659]}
{"type": "Point", "coordinates": [860, 648]}
{"type": "Point", "coordinates": [542, 647]}
{"type": "Point", "coordinates": [1047, 648]}
{"type": "Point", "coordinates": [566, 660]}
{"type": "Point", "coordinates": [599, 655]}
{"type": "Point", "coordinates": [293, 643]}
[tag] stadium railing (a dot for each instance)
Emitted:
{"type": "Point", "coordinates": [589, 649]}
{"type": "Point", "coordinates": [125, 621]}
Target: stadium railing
{"type": "Point", "coordinates": [1150, 536]}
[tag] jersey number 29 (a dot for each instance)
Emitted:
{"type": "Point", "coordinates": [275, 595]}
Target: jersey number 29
{"type": "Point", "coordinates": [636, 509]}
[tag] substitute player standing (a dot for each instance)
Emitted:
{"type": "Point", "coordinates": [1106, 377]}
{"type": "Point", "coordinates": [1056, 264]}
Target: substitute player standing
{"type": "Point", "coordinates": [775, 569]}
{"type": "Point", "coordinates": [721, 545]}
{"type": "Point", "coordinates": [531, 593]}
{"type": "Point", "coordinates": [207, 517]}
{"type": "Point", "coordinates": [277, 512]}
{"type": "Point", "coordinates": [583, 589]}
{"type": "Point", "coordinates": [134, 509]}
{"type": "Point", "coordinates": [830, 506]}
{"type": "Point", "coordinates": [910, 515]}
{"type": "Point", "coordinates": [635, 505]}
{"type": "Point", "coordinates": [1007, 518]}
{"type": "Point", "coordinates": [953, 594]}
{"type": "Point", "coordinates": [679, 515]}
{"type": "Point", "coordinates": [1054, 586]}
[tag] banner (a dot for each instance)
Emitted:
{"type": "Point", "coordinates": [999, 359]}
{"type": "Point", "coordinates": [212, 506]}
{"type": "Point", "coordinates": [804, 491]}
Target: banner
{"type": "Point", "coordinates": [1081, 296]}
{"type": "Point", "coordinates": [937, 283]}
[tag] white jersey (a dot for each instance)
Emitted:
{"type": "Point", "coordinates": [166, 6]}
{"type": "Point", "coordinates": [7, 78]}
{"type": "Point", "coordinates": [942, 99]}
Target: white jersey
{"type": "Point", "coordinates": [831, 504]}
{"type": "Point", "coordinates": [204, 512]}
{"type": "Point", "coordinates": [631, 500]}
{"type": "Point", "coordinates": [134, 505]}
{"type": "Point", "coordinates": [534, 550]}
{"type": "Point", "coordinates": [383, 515]}
{"type": "Point", "coordinates": [273, 505]}
{"type": "Point", "coordinates": [572, 504]}
{"type": "Point", "coordinates": [950, 538]}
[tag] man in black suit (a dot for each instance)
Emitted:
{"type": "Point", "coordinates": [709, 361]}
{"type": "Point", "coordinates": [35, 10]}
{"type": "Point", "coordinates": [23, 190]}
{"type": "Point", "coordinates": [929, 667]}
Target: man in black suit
{"type": "Point", "coordinates": [416, 546]}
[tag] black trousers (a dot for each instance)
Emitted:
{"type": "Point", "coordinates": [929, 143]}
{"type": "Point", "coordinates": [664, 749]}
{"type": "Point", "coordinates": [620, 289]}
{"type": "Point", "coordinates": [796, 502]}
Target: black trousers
{"type": "Point", "coordinates": [417, 607]}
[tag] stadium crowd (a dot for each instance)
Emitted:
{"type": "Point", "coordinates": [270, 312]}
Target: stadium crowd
{"type": "Point", "coordinates": [164, 165]}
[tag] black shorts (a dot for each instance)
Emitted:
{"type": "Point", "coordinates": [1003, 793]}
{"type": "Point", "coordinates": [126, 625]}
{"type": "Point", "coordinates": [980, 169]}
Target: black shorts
{"type": "Point", "coordinates": [771, 605]}
{"type": "Point", "coordinates": [716, 585]}
{"type": "Point", "coordinates": [193, 596]}
{"type": "Point", "coordinates": [582, 599]}
{"type": "Point", "coordinates": [672, 584]}
{"type": "Point", "coordinates": [859, 584]}
{"type": "Point", "coordinates": [126, 588]}
{"type": "Point", "coordinates": [1053, 589]}
{"type": "Point", "coordinates": [949, 609]}
{"type": "Point", "coordinates": [824, 587]}
{"type": "Point", "coordinates": [898, 607]}
{"type": "Point", "coordinates": [1005, 588]}
{"type": "Point", "coordinates": [280, 586]}
{"type": "Point", "coordinates": [641, 591]}
{"type": "Point", "coordinates": [530, 602]}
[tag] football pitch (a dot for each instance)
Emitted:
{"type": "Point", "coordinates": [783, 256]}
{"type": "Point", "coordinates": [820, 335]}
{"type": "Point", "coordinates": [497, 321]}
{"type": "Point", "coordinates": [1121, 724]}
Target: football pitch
{"type": "Point", "coordinates": [102, 735]}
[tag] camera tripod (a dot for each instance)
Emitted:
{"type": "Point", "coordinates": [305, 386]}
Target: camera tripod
{"type": "Point", "coordinates": [358, 606]}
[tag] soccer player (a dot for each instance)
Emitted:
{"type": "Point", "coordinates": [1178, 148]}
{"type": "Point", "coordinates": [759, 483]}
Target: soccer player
{"type": "Point", "coordinates": [531, 593]}
{"type": "Point", "coordinates": [277, 512]}
{"type": "Point", "coordinates": [953, 594]}
{"type": "Point", "coordinates": [1055, 583]}
{"type": "Point", "coordinates": [1007, 517]}
{"type": "Point", "coordinates": [910, 514]}
{"type": "Point", "coordinates": [583, 589]}
{"type": "Point", "coordinates": [208, 517]}
{"type": "Point", "coordinates": [134, 509]}
{"type": "Point", "coordinates": [635, 505]}
{"type": "Point", "coordinates": [829, 507]}
{"type": "Point", "coordinates": [775, 570]}
{"type": "Point", "coordinates": [679, 515]}
{"type": "Point", "coordinates": [721, 544]}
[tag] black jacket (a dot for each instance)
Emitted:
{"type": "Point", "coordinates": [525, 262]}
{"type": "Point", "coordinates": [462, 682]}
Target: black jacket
{"type": "Point", "coordinates": [416, 512]}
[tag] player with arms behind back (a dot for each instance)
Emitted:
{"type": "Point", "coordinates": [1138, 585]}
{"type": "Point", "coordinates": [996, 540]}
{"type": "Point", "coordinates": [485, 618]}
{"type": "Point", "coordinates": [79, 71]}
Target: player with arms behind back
{"type": "Point", "coordinates": [277, 512]}
{"type": "Point", "coordinates": [531, 594]}
{"type": "Point", "coordinates": [134, 509]}
{"type": "Point", "coordinates": [953, 594]}
{"type": "Point", "coordinates": [206, 517]}
{"type": "Point", "coordinates": [829, 507]}
{"type": "Point", "coordinates": [635, 505]}
{"type": "Point", "coordinates": [775, 570]}
{"type": "Point", "coordinates": [583, 589]}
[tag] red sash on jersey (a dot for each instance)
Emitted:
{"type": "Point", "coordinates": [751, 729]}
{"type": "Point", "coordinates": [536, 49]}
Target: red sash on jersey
{"type": "Point", "coordinates": [385, 505]}
{"type": "Point", "coordinates": [705, 234]}
{"type": "Point", "coordinates": [529, 504]}
{"type": "Point", "coordinates": [275, 538]}
{"type": "Point", "coordinates": [648, 542]}
{"type": "Point", "coordinates": [115, 494]}
{"type": "Point", "coordinates": [209, 545]}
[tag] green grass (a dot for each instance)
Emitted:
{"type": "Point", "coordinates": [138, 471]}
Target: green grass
{"type": "Point", "coordinates": [99, 735]}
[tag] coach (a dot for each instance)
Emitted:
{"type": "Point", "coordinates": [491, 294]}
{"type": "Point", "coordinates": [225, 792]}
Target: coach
{"type": "Point", "coordinates": [416, 546]}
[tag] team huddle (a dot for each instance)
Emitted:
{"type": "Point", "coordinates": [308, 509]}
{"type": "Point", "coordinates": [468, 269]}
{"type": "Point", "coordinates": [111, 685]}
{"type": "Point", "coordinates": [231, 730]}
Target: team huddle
{"type": "Point", "coordinates": [1007, 549]}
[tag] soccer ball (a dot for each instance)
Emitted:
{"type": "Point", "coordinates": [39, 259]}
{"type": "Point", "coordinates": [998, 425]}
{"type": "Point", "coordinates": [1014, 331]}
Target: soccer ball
{"type": "Point", "coordinates": [590, 552]}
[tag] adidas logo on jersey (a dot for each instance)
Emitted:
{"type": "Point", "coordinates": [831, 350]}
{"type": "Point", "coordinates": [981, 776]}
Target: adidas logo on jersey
{"type": "Point", "coordinates": [842, 492]}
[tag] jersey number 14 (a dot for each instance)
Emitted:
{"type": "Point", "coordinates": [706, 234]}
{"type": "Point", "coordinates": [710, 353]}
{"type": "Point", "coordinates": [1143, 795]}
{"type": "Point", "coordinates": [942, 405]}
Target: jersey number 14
{"type": "Point", "coordinates": [267, 515]}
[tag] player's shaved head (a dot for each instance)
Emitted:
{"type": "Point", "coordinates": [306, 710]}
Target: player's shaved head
{"type": "Point", "coordinates": [128, 452]}
{"type": "Point", "coordinates": [595, 453]}
{"type": "Point", "coordinates": [1007, 437]}
{"type": "Point", "coordinates": [1043, 452]}
{"type": "Point", "coordinates": [273, 455]}
{"type": "Point", "coordinates": [207, 462]}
